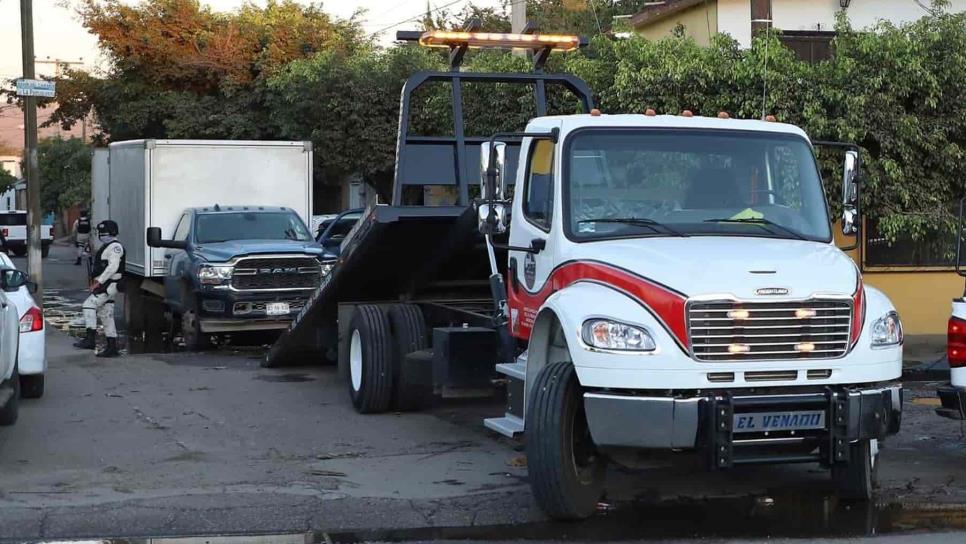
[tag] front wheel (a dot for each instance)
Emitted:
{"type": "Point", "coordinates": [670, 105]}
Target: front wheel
{"type": "Point", "coordinates": [194, 339]}
{"type": "Point", "coordinates": [857, 479]}
{"type": "Point", "coordinates": [566, 470]}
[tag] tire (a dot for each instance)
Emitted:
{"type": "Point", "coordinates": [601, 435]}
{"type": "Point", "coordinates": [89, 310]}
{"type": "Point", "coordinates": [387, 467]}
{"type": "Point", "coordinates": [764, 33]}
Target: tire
{"type": "Point", "coordinates": [10, 412]}
{"type": "Point", "coordinates": [194, 339]}
{"type": "Point", "coordinates": [44, 251]}
{"type": "Point", "coordinates": [20, 252]}
{"type": "Point", "coordinates": [565, 469]}
{"type": "Point", "coordinates": [857, 479]}
{"type": "Point", "coordinates": [367, 360]}
{"type": "Point", "coordinates": [31, 386]}
{"type": "Point", "coordinates": [409, 334]}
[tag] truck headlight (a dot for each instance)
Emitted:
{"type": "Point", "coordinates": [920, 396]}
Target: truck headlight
{"type": "Point", "coordinates": [213, 274]}
{"type": "Point", "coordinates": [327, 267]}
{"type": "Point", "coordinates": [607, 334]}
{"type": "Point", "coordinates": [887, 330]}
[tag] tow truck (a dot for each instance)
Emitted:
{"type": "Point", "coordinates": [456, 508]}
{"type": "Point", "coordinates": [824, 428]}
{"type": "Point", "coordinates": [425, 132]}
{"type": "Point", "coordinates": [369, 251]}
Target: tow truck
{"type": "Point", "coordinates": [651, 283]}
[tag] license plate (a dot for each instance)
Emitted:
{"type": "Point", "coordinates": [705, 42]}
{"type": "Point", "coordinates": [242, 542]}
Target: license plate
{"type": "Point", "coordinates": [277, 308]}
{"type": "Point", "coordinates": [779, 421]}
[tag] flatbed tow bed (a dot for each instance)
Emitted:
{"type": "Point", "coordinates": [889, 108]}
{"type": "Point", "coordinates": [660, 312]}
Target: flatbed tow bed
{"type": "Point", "coordinates": [422, 268]}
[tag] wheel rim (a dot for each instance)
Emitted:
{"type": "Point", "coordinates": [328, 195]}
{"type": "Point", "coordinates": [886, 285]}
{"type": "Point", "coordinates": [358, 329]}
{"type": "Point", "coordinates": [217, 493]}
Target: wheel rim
{"type": "Point", "coordinates": [355, 360]}
{"type": "Point", "coordinates": [583, 450]}
{"type": "Point", "coordinates": [188, 328]}
{"type": "Point", "coordinates": [873, 452]}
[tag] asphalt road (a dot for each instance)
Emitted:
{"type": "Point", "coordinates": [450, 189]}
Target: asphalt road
{"type": "Point", "coordinates": [199, 444]}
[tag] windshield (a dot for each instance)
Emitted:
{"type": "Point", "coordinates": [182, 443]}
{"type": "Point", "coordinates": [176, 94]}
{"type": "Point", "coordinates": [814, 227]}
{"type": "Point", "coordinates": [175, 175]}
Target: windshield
{"type": "Point", "coordinates": [221, 227]}
{"type": "Point", "coordinates": [646, 182]}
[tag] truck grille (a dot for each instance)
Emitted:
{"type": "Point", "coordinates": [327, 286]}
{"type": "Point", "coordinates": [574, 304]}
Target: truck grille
{"type": "Point", "coordinates": [753, 331]}
{"type": "Point", "coordinates": [276, 273]}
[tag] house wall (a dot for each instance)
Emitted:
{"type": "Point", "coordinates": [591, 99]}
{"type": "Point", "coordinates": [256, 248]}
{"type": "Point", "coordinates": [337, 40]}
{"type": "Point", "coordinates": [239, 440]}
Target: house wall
{"type": "Point", "coordinates": [700, 22]}
{"type": "Point", "coordinates": [734, 16]}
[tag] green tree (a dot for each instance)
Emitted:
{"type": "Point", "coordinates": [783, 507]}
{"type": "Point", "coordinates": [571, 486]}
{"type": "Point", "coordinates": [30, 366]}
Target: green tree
{"type": "Point", "coordinates": [65, 173]}
{"type": "Point", "coordinates": [7, 180]}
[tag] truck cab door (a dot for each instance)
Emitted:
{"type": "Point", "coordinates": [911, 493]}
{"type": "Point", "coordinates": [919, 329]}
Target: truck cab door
{"type": "Point", "coordinates": [532, 223]}
{"type": "Point", "coordinates": [175, 260]}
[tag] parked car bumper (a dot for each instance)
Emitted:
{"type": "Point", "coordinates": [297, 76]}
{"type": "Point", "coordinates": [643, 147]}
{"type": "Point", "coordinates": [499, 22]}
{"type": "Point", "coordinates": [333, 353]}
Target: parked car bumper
{"type": "Point", "coordinates": [706, 422]}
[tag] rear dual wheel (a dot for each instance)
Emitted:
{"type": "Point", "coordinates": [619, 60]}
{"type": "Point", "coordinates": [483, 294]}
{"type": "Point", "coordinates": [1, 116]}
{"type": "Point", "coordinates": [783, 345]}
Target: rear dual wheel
{"type": "Point", "coordinates": [372, 357]}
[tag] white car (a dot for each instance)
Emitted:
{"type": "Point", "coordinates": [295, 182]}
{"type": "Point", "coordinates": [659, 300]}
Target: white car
{"type": "Point", "coordinates": [9, 340]}
{"type": "Point", "coordinates": [32, 354]}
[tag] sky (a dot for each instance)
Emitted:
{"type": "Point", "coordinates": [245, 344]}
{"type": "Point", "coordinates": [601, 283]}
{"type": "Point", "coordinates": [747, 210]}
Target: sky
{"type": "Point", "coordinates": [58, 34]}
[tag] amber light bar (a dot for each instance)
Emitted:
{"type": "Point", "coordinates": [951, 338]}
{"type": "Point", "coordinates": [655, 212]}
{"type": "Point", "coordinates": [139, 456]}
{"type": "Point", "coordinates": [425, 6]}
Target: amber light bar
{"type": "Point", "coordinates": [448, 38]}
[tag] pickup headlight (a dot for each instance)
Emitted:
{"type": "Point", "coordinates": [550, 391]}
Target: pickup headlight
{"type": "Point", "coordinates": [887, 330]}
{"type": "Point", "coordinates": [213, 274]}
{"type": "Point", "coordinates": [607, 334]}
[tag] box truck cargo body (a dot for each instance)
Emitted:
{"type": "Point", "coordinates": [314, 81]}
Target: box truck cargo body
{"type": "Point", "coordinates": [152, 182]}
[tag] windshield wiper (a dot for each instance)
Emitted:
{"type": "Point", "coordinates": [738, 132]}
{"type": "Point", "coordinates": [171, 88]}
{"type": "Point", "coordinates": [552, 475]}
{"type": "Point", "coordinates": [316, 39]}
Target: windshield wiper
{"type": "Point", "coordinates": [637, 221]}
{"type": "Point", "coordinates": [762, 222]}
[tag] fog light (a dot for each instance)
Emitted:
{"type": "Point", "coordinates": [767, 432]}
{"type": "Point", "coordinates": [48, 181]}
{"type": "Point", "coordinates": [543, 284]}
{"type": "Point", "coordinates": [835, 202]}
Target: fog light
{"type": "Point", "coordinates": [739, 314]}
{"type": "Point", "coordinates": [242, 308]}
{"type": "Point", "coordinates": [214, 306]}
{"type": "Point", "coordinates": [739, 348]}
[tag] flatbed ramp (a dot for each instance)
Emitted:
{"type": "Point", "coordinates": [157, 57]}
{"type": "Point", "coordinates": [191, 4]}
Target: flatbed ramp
{"type": "Point", "coordinates": [392, 250]}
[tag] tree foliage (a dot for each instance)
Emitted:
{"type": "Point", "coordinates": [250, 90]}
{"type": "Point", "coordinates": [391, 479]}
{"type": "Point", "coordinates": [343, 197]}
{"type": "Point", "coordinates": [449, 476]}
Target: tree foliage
{"type": "Point", "coordinates": [291, 72]}
{"type": "Point", "coordinates": [65, 172]}
{"type": "Point", "coordinates": [7, 180]}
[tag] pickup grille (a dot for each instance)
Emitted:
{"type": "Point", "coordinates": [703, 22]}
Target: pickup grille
{"type": "Point", "coordinates": [754, 331]}
{"type": "Point", "coordinates": [267, 273]}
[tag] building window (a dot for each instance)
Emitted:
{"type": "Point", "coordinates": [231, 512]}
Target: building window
{"type": "Point", "coordinates": [809, 45]}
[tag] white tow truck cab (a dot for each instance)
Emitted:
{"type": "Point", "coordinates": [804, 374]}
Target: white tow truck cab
{"type": "Point", "coordinates": [676, 285]}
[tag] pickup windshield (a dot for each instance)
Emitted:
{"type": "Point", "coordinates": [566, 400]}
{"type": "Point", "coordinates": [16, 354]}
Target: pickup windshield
{"type": "Point", "coordinates": [624, 183]}
{"type": "Point", "coordinates": [225, 226]}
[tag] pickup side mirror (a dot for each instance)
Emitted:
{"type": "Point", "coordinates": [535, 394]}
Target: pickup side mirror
{"type": "Point", "coordinates": [154, 240]}
{"type": "Point", "coordinates": [850, 193]}
{"type": "Point", "coordinates": [12, 279]}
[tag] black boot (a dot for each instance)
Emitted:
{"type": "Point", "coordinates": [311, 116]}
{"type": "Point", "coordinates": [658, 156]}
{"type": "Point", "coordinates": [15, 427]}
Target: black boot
{"type": "Point", "coordinates": [88, 341]}
{"type": "Point", "coordinates": [110, 350]}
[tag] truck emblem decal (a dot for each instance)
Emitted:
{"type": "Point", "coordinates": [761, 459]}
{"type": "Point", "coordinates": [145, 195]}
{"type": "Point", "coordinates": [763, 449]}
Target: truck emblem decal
{"type": "Point", "coordinates": [771, 291]}
{"type": "Point", "coordinates": [529, 270]}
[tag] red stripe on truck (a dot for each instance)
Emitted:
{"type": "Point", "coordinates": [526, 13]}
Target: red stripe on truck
{"type": "Point", "coordinates": [665, 304]}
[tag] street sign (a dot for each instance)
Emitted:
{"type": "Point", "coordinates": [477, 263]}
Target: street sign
{"type": "Point", "coordinates": [35, 87]}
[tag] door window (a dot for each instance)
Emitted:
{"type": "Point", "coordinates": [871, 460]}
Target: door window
{"type": "Point", "coordinates": [181, 232]}
{"type": "Point", "coordinates": [538, 201]}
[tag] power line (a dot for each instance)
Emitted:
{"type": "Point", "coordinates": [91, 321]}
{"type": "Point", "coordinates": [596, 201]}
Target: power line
{"type": "Point", "coordinates": [594, 9]}
{"type": "Point", "coordinates": [413, 18]}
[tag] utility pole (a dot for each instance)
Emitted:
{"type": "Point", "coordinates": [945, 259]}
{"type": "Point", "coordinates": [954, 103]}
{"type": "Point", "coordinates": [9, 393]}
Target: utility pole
{"type": "Point", "coordinates": [518, 15]}
{"type": "Point", "coordinates": [34, 257]}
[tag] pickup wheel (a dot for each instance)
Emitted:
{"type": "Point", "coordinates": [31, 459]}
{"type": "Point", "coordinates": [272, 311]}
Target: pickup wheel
{"type": "Point", "coordinates": [566, 470]}
{"type": "Point", "coordinates": [11, 410]}
{"type": "Point", "coordinates": [368, 361]}
{"type": "Point", "coordinates": [409, 335]}
{"type": "Point", "coordinates": [857, 479]}
{"type": "Point", "coordinates": [194, 339]}
{"type": "Point", "coordinates": [20, 252]}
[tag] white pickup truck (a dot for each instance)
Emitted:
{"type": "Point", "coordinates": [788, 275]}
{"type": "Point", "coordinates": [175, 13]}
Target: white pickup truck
{"type": "Point", "coordinates": [13, 224]}
{"type": "Point", "coordinates": [676, 286]}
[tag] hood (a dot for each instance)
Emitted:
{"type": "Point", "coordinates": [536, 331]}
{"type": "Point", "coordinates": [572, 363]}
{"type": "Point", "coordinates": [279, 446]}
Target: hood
{"type": "Point", "coordinates": [739, 266]}
{"type": "Point", "coordinates": [224, 251]}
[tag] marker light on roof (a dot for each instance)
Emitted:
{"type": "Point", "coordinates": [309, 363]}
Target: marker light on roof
{"type": "Point", "coordinates": [446, 38]}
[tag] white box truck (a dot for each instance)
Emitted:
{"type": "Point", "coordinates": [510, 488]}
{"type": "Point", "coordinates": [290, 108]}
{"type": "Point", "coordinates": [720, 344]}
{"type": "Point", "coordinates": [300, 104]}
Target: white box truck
{"type": "Point", "coordinates": [238, 255]}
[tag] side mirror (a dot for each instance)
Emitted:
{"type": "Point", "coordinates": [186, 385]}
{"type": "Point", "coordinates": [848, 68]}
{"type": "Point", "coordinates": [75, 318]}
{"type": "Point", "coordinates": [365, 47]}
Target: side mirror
{"type": "Point", "coordinates": [493, 171]}
{"type": "Point", "coordinates": [153, 236]}
{"type": "Point", "coordinates": [492, 218]}
{"type": "Point", "coordinates": [850, 193]}
{"type": "Point", "coordinates": [12, 279]}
